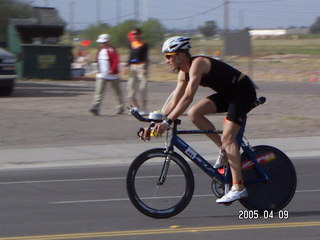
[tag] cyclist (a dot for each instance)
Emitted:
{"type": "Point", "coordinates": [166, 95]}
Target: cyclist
{"type": "Point", "coordinates": [234, 93]}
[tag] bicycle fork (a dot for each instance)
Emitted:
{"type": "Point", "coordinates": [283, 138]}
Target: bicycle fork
{"type": "Point", "coordinates": [165, 169]}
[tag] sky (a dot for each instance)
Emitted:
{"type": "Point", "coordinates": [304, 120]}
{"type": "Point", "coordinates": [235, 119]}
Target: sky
{"type": "Point", "coordinates": [188, 14]}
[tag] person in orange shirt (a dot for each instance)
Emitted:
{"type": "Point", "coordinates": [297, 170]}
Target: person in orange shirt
{"type": "Point", "coordinates": [138, 64]}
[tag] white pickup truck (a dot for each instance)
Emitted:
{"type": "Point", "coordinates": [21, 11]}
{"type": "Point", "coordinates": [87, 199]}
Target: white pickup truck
{"type": "Point", "coordinates": [7, 72]}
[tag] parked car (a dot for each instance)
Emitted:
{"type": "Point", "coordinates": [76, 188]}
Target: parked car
{"type": "Point", "coordinates": [7, 72]}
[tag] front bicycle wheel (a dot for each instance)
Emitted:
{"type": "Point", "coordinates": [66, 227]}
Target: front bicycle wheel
{"type": "Point", "coordinates": [162, 199]}
{"type": "Point", "coordinates": [278, 190]}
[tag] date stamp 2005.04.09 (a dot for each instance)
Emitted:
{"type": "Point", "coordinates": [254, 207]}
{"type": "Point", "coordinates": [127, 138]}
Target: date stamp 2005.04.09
{"type": "Point", "coordinates": [255, 214]}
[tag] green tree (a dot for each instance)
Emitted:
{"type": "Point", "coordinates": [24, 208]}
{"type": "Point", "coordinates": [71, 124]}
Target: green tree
{"type": "Point", "coordinates": [315, 28]}
{"type": "Point", "coordinates": [153, 32]}
{"type": "Point", "coordinates": [152, 29]}
{"type": "Point", "coordinates": [120, 31]}
{"type": "Point", "coordinates": [209, 29]}
{"type": "Point", "coordinates": [12, 9]}
{"type": "Point", "coordinates": [94, 30]}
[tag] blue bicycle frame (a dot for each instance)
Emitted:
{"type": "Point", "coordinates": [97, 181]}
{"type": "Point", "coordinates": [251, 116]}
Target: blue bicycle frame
{"type": "Point", "coordinates": [195, 157]}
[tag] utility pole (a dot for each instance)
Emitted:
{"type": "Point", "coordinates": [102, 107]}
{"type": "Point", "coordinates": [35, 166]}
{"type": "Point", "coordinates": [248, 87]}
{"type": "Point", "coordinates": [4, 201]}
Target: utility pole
{"type": "Point", "coordinates": [145, 10]}
{"type": "Point", "coordinates": [118, 6]}
{"type": "Point", "coordinates": [226, 26]}
{"type": "Point", "coordinates": [71, 20]}
{"type": "Point", "coordinates": [98, 7]}
{"type": "Point", "coordinates": [226, 16]}
{"type": "Point", "coordinates": [71, 15]}
{"type": "Point", "coordinates": [136, 9]}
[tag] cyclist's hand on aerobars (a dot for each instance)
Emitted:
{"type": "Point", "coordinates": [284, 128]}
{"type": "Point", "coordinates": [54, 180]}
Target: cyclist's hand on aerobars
{"type": "Point", "coordinates": [160, 128]}
{"type": "Point", "coordinates": [155, 131]}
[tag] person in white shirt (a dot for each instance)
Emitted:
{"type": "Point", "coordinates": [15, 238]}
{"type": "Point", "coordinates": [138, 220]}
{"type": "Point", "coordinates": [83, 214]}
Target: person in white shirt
{"type": "Point", "coordinates": [108, 65]}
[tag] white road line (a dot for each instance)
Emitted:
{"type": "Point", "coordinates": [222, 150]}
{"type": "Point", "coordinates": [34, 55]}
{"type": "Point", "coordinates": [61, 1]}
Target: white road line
{"type": "Point", "coordinates": [124, 199]}
{"type": "Point", "coordinates": [303, 191]}
{"type": "Point", "coordinates": [63, 180]}
{"type": "Point", "coordinates": [77, 180]}
{"type": "Point", "coordinates": [164, 197]}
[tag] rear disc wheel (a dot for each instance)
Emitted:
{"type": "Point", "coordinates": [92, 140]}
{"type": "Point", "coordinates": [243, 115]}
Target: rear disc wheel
{"type": "Point", "coordinates": [278, 190]}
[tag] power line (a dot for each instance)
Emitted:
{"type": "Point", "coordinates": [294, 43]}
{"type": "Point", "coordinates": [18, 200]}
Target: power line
{"type": "Point", "coordinates": [117, 18]}
{"type": "Point", "coordinates": [254, 1]}
{"type": "Point", "coordinates": [267, 11]}
{"type": "Point", "coordinates": [195, 15]}
{"type": "Point", "coordinates": [219, 6]}
{"type": "Point", "coordinates": [107, 20]}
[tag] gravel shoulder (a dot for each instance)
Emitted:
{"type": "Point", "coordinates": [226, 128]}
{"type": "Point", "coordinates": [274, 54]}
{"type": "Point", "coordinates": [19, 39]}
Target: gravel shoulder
{"type": "Point", "coordinates": [55, 113]}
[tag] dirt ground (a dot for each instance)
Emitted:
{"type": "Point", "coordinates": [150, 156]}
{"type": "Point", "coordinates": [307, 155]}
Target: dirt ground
{"type": "Point", "coordinates": [291, 67]}
{"type": "Point", "coordinates": [55, 113]}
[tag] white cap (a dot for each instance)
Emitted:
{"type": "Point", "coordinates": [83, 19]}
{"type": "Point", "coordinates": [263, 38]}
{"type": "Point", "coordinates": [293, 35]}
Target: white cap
{"type": "Point", "coordinates": [103, 38]}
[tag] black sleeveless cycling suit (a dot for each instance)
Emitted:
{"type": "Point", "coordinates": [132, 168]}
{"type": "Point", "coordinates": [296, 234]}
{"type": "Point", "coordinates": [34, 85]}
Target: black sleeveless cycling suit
{"type": "Point", "coordinates": [232, 95]}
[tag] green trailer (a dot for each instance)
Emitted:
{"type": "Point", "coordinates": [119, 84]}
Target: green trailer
{"type": "Point", "coordinates": [34, 41]}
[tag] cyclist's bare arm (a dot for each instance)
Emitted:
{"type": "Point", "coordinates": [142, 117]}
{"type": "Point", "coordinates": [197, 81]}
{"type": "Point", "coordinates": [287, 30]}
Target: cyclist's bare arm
{"type": "Point", "coordinates": [198, 68]}
{"type": "Point", "coordinates": [170, 105]}
{"type": "Point", "coordinates": [177, 95]}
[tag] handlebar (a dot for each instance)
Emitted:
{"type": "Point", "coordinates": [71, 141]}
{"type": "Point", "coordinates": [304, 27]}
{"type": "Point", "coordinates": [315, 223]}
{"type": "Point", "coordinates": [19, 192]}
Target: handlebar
{"type": "Point", "coordinates": [138, 116]}
{"type": "Point", "coordinates": [134, 112]}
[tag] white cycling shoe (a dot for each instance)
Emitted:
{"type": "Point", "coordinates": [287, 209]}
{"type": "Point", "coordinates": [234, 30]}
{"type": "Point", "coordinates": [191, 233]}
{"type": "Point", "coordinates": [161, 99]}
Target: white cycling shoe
{"type": "Point", "coordinates": [233, 195]}
{"type": "Point", "coordinates": [221, 160]}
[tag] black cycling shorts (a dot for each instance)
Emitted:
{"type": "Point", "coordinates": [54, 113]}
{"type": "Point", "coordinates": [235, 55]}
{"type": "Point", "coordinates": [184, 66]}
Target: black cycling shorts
{"type": "Point", "coordinates": [237, 102]}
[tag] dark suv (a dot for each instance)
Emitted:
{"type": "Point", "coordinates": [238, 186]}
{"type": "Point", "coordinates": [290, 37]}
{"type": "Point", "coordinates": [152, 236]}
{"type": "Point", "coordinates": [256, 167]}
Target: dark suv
{"type": "Point", "coordinates": [7, 72]}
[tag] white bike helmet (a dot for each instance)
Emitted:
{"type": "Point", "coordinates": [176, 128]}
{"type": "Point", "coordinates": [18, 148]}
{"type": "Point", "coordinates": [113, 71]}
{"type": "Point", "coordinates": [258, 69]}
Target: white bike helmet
{"type": "Point", "coordinates": [174, 44]}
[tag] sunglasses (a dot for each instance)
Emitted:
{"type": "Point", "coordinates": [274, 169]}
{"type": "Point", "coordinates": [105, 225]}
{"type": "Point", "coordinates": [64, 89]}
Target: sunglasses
{"type": "Point", "coordinates": [169, 55]}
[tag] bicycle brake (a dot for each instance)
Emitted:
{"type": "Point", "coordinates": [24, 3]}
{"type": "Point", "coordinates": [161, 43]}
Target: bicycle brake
{"type": "Point", "coordinates": [141, 132]}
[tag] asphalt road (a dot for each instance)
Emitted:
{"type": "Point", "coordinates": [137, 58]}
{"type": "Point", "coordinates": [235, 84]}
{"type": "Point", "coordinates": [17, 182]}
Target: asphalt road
{"type": "Point", "coordinates": [91, 203]}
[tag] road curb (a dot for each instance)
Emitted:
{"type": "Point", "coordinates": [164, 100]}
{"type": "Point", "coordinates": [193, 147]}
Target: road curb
{"type": "Point", "coordinates": [115, 154]}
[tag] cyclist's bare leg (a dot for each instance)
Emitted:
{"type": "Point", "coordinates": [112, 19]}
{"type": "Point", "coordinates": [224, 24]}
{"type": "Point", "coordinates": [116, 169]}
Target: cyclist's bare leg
{"type": "Point", "coordinates": [197, 115]}
{"type": "Point", "coordinates": [231, 147]}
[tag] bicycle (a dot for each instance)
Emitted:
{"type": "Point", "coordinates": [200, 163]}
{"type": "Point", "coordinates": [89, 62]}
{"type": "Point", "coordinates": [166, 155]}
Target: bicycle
{"type": "Point", "coordinates": [160, 182]}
